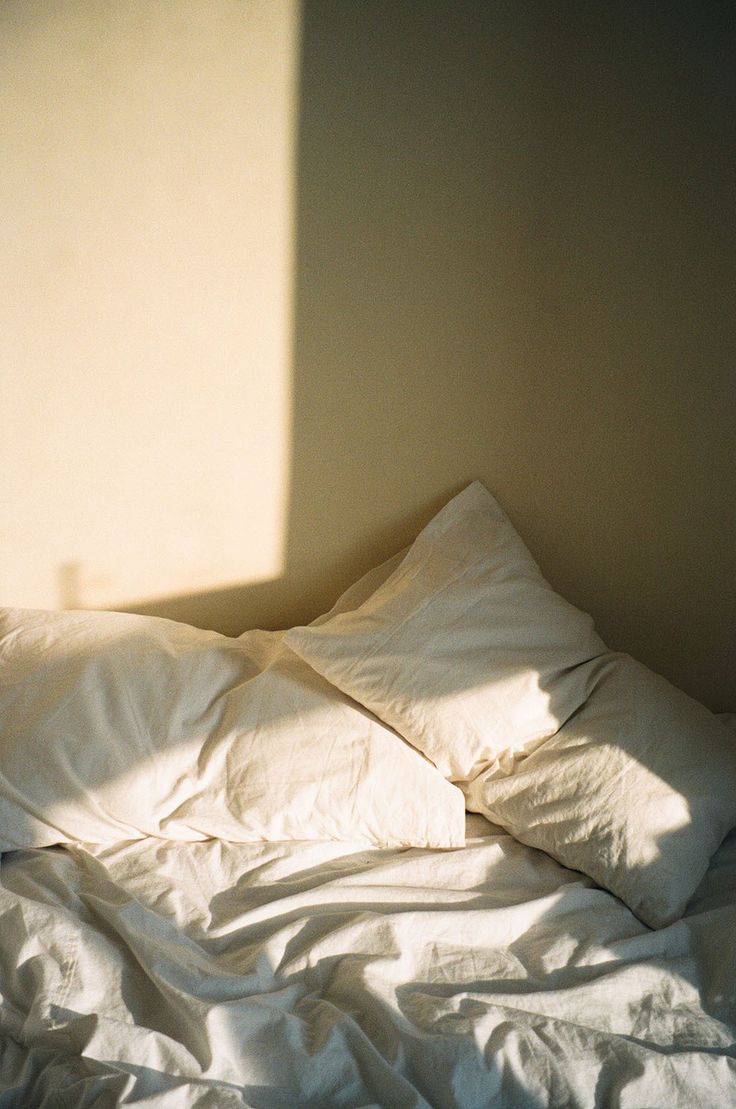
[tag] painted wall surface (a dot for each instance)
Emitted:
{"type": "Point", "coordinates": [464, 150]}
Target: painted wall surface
{"type": "Point", "coordinates": [514, 261]}
{"type": "Point", "coordinates": [146, 188]}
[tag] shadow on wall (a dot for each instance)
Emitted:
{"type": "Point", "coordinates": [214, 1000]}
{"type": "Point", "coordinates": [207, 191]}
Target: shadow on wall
{"type": "Point", "coordinates": [412, 314]}
{"type": "Point", "coordinates": [512, 264]}
{"type": "Point", "coordinates": [395, 328]}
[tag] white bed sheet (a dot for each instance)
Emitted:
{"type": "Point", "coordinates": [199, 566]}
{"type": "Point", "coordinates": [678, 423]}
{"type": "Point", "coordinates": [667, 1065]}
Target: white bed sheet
{"type": "Point", "coordinates": [325, 974]}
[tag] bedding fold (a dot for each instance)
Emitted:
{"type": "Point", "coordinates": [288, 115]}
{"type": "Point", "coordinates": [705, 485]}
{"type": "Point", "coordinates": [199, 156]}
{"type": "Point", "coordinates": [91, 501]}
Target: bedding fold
{"type": "Point", "coordinates": [330, 974]}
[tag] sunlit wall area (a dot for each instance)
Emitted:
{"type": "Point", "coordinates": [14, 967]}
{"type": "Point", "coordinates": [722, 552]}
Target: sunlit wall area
{"type": "Point", "coordinates": [146, 187]}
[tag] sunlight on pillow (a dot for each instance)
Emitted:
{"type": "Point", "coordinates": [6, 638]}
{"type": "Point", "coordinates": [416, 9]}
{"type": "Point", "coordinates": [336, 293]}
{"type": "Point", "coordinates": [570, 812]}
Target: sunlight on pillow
{"type": "Point", "coordinates": [470, 655]}
{"type": "Point", "coordinates": [637, 790]}
{"type": "Point", "coordinates": [464, 649]}
{"type": "Point", "coordinates": [117, 726]}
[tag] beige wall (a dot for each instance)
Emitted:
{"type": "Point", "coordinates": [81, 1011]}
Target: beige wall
{"type": "Point", "coordinates": [146, 257]}
{"type": "Point", "coordinates": [515, 262]}
{"type": "Point", "coordinates": [514, 256]}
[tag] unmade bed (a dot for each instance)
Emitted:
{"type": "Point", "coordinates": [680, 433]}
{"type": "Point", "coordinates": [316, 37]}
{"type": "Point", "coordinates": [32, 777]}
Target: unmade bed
{"type": "Point", "coordinates": [326, 974]}
{"type": "Point", "coordinates": [242, 873]}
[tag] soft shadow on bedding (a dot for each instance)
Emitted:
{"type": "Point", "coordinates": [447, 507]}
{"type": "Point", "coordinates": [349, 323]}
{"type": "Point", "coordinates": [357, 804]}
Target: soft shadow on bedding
{"type": "Point", "coordinates": [428, 997]}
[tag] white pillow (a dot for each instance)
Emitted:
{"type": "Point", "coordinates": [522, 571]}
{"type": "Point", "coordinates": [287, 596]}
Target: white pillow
{"type": "Point", "coordinates": [115, 726]}
{"type": "Point", "coordinates": [637, 790]}
{"type": "Point", "coordinates": [465, 649]}
{"type": "Point", "coordinates": [470, 655]}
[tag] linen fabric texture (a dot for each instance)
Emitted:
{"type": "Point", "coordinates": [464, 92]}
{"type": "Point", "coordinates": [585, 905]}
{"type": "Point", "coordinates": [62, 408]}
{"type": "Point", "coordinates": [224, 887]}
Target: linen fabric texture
{"type": "Point", "coordinates": [115, 727]}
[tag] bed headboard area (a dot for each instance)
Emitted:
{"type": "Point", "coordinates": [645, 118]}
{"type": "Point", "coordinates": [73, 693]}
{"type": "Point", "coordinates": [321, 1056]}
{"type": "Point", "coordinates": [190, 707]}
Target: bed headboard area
{"type": "Point", "coordinates": [284, 277]}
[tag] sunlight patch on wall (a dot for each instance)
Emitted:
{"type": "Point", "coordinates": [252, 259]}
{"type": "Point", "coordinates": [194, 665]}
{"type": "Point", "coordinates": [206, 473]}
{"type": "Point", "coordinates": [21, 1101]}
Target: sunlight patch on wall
{"type": "Point", "coordinates": [146, 185]}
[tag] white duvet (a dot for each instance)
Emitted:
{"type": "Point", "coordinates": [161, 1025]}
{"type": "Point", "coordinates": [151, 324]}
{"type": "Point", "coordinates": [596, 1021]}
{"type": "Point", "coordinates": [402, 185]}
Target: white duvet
{"type": "Point", "coordinates": [327, 974]}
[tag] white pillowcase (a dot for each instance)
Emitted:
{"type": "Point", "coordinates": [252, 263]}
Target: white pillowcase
{"type": "Point", "coordinates": [469, 654]}
{"type": "Point", "coordinates": [637, 790]}
{"type": "Point", "coordinates": [465, 649]}
{"type": "Point", "coordinates": [115, 727]}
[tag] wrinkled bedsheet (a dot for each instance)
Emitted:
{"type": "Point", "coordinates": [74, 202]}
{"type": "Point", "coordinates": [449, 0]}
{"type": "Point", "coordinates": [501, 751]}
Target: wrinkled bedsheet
{"type": "Point", "coordinates": [328, 974]}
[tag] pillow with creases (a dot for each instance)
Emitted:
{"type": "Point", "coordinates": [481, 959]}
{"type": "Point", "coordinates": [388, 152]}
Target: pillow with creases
{"type": "Point", "coordinates": [116, 726]}
{"type": "Point", "coordinates": [465, 649]}
{"type": "Point", "coordinates": [469, 654]}
{"type": "Point", "coordinates": [637, 790]}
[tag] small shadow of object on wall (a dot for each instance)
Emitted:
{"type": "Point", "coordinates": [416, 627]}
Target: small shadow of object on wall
{"type": "Point", "coordinates": [69, 584]}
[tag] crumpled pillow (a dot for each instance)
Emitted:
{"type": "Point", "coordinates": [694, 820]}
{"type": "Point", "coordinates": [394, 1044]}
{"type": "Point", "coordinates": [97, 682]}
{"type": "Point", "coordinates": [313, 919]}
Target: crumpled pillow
{"type": "Point", "coordinates": [469, 654]}
{"type": "Point", "coordinates": [115, 726]}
